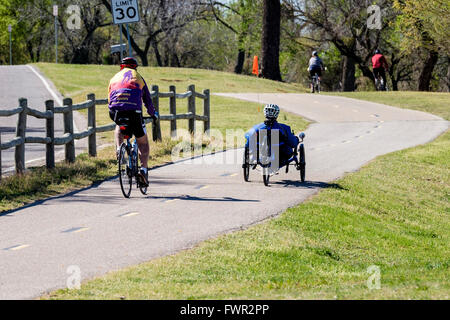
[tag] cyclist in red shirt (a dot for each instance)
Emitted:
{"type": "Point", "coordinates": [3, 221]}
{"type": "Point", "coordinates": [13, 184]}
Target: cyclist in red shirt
{"type": "Point", "coordinates": [380, 66]}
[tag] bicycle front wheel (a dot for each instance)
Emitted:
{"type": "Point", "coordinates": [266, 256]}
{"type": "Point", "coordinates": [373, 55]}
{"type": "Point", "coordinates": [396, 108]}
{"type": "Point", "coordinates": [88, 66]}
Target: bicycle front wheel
{"type": "Point", "coordinates": [125, 175]}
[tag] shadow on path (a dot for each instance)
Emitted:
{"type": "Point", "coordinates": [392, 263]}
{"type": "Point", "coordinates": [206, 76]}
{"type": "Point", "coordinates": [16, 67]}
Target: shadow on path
{"type": "Point", "coordinates": [70, 194]}
{"type": "Point", "coordinates": [194, 198]}
{"type": "Point", "coordinates": [306, 184]}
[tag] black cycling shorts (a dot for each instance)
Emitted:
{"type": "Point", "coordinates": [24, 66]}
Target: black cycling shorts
{"type": "Point", "coordinates": [132, 119]}
{"type": "Point", "coordinates": [379, 72]}
{"type": "Point", "coordinates": [312, 72]}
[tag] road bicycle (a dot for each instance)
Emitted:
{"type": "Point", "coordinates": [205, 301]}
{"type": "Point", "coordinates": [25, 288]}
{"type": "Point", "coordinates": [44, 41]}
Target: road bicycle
{"type": "Point", "coordinates": [264, 159]}
{"type": "Point", "coordinates": [128, 162]}
{"type": "Point", "coordinates": [379, 84]}
{"type": "Point", "coordinates": [315, 83]}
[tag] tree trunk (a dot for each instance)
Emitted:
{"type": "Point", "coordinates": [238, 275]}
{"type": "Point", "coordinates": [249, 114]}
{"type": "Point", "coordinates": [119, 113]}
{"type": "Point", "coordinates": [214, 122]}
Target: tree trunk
{"type": "Point", "coordinates": [447, 80]}
{"type": "Point", "coordinates": [157, 54]}
{"type": "Point", "coordinates": [271, 40]}
{"type": "Point", "coordinates": [240, 62]}
{"type": "Point", "coordinates": [394, 84]}
{"type": "Point", "coordinates": [427, 71]}
{"type": "Point", "coordinates": [348, 74]}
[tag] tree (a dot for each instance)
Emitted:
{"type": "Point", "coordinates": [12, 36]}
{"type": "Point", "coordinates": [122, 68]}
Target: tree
{"type": "Point", "coordinates": [241, 18]}
{"type": "Point", "coordinates": [158, 18]}
{"type": "Point", "coordinates": [270, 43]}
{"type": "Point", "coordinates": [344, 23]}
{"type": "Point", "coordinates": [425, 26]}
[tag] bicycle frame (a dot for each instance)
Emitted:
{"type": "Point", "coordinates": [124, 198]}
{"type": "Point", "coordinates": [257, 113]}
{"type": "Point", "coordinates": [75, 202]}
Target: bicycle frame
{"type": "Point", "coordinates": [315, 83]}
{"type": "Point", "coordinates": [133, 154]}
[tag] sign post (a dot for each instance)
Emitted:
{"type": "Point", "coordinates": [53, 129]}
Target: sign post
{"type": "Point", "coordinates": [125, 12]}
{"type": "Point", "coordinates": [55, 13]}
{"type": "Point", "coordinates": [121, 51]}
{"type": "Point", "coordinates": [10, 44]}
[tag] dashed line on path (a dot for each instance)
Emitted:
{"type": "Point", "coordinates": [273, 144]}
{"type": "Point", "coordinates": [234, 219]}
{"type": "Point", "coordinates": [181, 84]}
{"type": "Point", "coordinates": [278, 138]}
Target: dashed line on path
{"type": "Point", "coordinates": [129, 214]}
{"type": "Point", "coordinates": [201, 187]}
{"type": "Point", "coordinates": [229, 175]}
{"type": "Point", "coordinates": [17, 247]}
{"type": "Point", "coordinates": [76, 230]}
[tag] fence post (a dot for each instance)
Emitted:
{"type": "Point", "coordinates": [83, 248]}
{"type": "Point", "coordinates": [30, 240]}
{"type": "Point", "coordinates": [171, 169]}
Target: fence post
{"type": "Point", "coordinates": [68, 128]}
{"type": "Point", "coordinates": [206, 110]}
{"type": "Point", "coordinates": [191, 108]}
{"type": "Point", "coordinates": [173, 111]}
{"type": "Point", "coordinates": [92, 124]}
{"type": "Point", "coordinates": [20, 132]}
{"type": "Point", "coordinates": [50, 124]}
{"type": "Point", "coordinates": [156, 126]}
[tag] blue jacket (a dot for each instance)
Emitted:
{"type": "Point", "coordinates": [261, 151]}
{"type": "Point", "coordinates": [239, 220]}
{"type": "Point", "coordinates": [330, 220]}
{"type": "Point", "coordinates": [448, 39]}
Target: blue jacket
{"type": "Point", "coordinates": [315, 63]}
{"type": "Point", "coordinates": [288, 141]}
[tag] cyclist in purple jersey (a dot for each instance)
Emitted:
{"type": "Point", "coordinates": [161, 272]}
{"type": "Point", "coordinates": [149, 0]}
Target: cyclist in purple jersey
{"type": "Point", "coordinates": [127, 90]}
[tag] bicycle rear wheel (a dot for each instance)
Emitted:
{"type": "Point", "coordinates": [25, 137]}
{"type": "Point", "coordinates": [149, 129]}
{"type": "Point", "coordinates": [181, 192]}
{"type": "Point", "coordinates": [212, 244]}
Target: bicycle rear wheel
{"type": "Point", "coordinates": [125, 176]}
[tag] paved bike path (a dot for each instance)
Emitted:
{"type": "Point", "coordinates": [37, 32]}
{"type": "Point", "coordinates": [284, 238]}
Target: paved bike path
{"type": "Point", "coordinates": [25, 81]}
{"type": "Point", "coordinates": [97, 230]}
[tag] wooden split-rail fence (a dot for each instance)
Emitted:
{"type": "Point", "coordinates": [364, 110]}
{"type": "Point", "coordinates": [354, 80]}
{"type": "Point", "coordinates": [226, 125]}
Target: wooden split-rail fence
{"type": "Point", "coordinates": [69, 137]}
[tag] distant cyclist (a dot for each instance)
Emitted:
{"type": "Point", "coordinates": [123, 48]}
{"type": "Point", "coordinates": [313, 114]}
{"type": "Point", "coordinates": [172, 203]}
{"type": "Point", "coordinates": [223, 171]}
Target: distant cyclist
{"type": "Point", "coordinates": [380, 66]}
{"type": "Point", "coordinates": [315, 66]}
{"type": "Point", "coordinates": [127, 90]}
{"type": "Point", "coordinates": [288, 141]}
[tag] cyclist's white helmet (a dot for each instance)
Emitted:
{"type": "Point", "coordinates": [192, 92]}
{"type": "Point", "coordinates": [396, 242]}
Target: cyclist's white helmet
{"type": "Point", "coordinates": [271, 111]}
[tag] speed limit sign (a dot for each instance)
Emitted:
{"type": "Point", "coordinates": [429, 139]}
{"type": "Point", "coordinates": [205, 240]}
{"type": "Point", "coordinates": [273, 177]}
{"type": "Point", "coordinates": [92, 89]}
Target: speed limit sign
{"type": "Point", "coordinates": [125, 11]}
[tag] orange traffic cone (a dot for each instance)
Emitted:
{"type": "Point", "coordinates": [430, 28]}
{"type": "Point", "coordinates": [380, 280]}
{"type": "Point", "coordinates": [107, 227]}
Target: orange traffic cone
{"type": "Point", "coordinates": [255, 66]}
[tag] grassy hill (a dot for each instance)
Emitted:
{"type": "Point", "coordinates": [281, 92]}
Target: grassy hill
{"type": "Point", "coordinates": [437, 103]}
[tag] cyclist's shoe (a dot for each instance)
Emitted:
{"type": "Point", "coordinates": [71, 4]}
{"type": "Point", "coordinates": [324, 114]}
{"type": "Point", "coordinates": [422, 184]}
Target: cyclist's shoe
{"type": "Point", "coordinates": [143, 178]}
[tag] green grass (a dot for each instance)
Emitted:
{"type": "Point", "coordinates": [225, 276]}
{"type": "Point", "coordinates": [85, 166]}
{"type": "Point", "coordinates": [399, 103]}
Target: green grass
{"type": "Point", "coordinates": [77, 81]}
{"type": "Point", "coordinates": [393, 213]}
{"type": "Point", "coordinates": [39, 183]}
{"type": "Point", "coordinates": [226, 113]}
{"type": "Point", "coordinates": [433, 102]}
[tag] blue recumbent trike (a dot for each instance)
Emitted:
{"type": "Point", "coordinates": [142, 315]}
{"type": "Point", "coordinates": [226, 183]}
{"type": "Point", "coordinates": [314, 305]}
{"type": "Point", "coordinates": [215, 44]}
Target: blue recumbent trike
{"type": "Point", "coordinates": [265, 157]}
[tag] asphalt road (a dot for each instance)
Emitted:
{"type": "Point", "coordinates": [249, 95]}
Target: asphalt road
{"type": "Point", "coordinates": [26, 81]}
{"type": "Point", "coordinates": [97, 230]}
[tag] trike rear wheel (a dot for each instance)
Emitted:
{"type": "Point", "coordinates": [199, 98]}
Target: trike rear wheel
{"type": "Point", "coordinates": [246, 164]}
{"type": "Point", "coordinates": [302, 164]}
